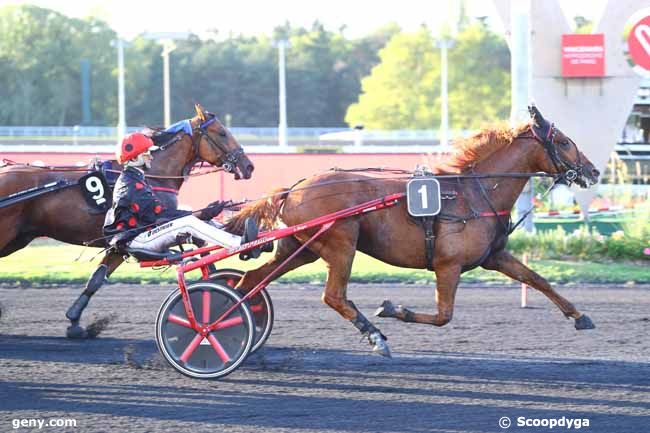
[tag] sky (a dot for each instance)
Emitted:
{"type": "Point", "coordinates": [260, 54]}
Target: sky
{"type": "Point", "coordinates": [254, 17]}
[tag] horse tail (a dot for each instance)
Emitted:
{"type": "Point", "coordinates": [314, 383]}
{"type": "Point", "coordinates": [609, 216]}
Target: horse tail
{"type": "Point", "coordinates": [265, 212]}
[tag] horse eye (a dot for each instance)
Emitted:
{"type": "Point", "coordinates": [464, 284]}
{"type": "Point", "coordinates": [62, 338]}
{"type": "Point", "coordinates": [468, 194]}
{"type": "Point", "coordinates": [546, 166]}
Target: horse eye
{"type": "Point", "coordinates": [564, 145]}
{"type": "Point", "coordinates": [222, 133]}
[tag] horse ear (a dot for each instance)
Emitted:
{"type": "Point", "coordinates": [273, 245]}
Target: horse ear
{"type": "Point", "coordinates": [536, 115]}
{"type": "Point", "coordinates": [199, 112]}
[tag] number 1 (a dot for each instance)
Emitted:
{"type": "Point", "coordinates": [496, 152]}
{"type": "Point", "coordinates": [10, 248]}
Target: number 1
{"type": "Point", "coordinates": [423, 194]}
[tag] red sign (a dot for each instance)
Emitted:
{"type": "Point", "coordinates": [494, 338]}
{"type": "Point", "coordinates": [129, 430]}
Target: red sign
{"type": "Point", "coordinates": [583, 55]}
{"type": "Point", "coordinates": [638, 42]}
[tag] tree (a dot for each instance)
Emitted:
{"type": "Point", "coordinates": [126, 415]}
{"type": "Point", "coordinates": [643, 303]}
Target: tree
{"type": "Point", "coordinates": [479, 77]}
{"type": "Point", "coordinates": [41, 51]}
{"type": "Point", "coordinates": [403, 91]}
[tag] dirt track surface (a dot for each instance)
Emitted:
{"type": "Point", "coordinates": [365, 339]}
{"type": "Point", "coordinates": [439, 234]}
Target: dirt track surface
{"type": "Point", "coordinates": [314, 375]}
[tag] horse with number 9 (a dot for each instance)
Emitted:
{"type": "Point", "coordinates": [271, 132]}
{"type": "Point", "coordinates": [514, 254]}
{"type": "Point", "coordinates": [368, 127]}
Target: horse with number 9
{"type": "Point", "coordinates": [65, 214]}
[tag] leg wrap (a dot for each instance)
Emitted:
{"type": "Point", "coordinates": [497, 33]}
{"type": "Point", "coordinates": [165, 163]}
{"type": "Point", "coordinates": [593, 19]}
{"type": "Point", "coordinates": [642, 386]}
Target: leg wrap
{"type": "Point", "coordinates": [96, 280]}
{"type": "Point", "coordinates": [362, 324]}
{"type": "Point", "coordinates": [409, 316]}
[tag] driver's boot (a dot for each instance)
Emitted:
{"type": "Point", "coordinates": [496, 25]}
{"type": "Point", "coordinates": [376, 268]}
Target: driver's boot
{"type": "Point", "coordinates": [251, 232]}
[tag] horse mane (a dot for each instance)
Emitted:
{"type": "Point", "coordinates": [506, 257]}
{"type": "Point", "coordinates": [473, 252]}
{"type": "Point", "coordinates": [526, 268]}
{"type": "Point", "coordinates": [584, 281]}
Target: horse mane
{"type": "Point", "coordinates": [476, 148]}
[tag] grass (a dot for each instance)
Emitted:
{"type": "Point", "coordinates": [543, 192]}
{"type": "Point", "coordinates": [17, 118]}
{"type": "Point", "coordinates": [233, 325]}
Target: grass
{"type": "Point", "coordinates": [47, 262]}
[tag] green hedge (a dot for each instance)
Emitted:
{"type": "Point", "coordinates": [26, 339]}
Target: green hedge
{"type": "Point", "coordinates": [631, 243]}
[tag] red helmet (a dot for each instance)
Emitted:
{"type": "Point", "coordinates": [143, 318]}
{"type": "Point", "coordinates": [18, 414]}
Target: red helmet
{"type": "Point", "coordinates": [133, 145]}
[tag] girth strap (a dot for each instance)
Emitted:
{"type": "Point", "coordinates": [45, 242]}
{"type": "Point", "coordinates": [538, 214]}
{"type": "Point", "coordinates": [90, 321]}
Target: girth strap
{"type": "Point", "coordinates": [429, 240]}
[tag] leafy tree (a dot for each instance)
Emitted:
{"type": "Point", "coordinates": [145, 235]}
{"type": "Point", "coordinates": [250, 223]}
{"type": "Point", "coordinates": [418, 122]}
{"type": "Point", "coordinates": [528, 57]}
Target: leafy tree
{"type": "Point", "coordinates": [403, 91]}
{"type": "Point", "coordinates": [479, 78]}
{"type": "Point", "coordinates": [40, 51]}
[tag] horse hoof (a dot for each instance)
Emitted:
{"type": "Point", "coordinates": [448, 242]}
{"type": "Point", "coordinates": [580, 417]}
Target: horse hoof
{"type": "Point", "coordinates": [584, 322]}
{"type": "Point", "coordinates": [379, 345]}
{"type": "Point", "coordinates": [76, 332]}
{"type": "Point", "coordinates": [386, 309]}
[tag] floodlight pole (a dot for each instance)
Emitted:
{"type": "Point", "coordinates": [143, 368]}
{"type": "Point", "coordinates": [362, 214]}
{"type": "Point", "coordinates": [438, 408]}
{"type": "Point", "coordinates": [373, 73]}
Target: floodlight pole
{"type": "Point", "coordinates": [168, 47]}
{"type": "Point", "coordinates": [121, 116]}
{"type": "Point", "coordinates": [520, 89]}
{"type": "Point", "coordinates": [282, 126]}
{"type": "Point", "coordinates": [167, 40]}
{"type": "Point", "coordinates": [444, 44]}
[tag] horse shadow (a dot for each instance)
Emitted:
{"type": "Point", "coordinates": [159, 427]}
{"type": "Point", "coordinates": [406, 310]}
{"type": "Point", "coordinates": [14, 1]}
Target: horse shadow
{"type": "Point", "coordinates": [60, 349]}
{"type": "Point", "coordinates": [215, 406]}
{"type": "Point", "coordinates": [471, 367]}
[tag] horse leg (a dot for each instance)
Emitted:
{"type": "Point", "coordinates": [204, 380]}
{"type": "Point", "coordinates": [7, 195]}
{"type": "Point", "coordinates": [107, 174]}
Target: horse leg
{"type": "Point", "coordinates": [447, 277]}
{"type": "Point", "coordinates": [10, 241]}
{"type": "Point", "coordinates": [109, 263]}
{"type": "Point", "coordinates": [505, 263]}
{"type": "Point", "coordinates": [20, 242]}
{"type": "Point", "coordinates": [338, 252]}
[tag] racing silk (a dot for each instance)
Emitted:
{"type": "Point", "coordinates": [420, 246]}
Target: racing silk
{"type": "Point", "coordinates": [135, 207]}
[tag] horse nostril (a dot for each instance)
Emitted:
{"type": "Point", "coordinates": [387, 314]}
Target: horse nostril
{"type": "Point", "coordinates": [595, 172]}
{"type": "Point", "coordinates": [250, 168]}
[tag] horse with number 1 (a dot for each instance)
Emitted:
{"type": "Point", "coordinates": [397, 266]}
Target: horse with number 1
{"type": "Point", "coordinates": [449, 222]}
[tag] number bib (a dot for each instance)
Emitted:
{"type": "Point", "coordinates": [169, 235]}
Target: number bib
{"type": "Point", "coordinates": [96, 191]}
{"type": "Point", "coordinates": [423, 197]}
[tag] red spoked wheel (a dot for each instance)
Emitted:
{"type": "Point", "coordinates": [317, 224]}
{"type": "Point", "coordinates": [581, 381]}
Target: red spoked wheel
{"type": "Point", "coordinates": [260, 305]}
{"type": "Point", "coordinates": [222, 350]}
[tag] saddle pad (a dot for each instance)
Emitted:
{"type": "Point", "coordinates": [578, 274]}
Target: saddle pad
{"type": "Point", "coordinates": [183, 125]}
{"type": "Point", "coordinates": [96, 191]}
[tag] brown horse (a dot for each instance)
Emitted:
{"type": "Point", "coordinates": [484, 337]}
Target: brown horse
{"type": "Point", "coordinates": [64, 215]}
{"type": "Point", "coordinates": [469, 232]}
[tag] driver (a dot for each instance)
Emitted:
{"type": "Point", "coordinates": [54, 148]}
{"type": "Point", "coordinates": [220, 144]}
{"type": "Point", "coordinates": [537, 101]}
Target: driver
{"type": "Point", "coordinates": [138, 219]}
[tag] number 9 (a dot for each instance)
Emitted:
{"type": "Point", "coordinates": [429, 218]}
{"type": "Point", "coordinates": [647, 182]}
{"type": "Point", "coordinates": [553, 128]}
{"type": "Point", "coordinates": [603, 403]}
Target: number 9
{"type": "Point", "coordinates": [94, 185]}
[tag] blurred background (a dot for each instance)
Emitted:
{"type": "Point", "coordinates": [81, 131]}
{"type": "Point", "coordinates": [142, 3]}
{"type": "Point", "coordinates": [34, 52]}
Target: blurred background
{"type": "Point", "coordinates": [373, 83]}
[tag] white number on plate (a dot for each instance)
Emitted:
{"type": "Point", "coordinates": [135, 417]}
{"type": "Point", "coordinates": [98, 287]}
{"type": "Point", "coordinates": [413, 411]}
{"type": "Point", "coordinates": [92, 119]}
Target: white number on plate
{"type": "Point", "coordinates": [423, 194]}
{"type": "Point", "coordinates": [94, 185]}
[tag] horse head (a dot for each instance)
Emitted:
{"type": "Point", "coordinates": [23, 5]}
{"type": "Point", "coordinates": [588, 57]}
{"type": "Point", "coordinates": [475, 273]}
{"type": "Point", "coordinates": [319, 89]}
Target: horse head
{"type": "Point", "coordinates": [213, 143]}
{"type": "Point", "coordinates": [561, 154]}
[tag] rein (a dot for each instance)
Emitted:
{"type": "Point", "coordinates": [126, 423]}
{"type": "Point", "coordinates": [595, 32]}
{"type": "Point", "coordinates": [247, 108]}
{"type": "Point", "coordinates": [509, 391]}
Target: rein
{"type": "Point", "coordinates": [75, 169]}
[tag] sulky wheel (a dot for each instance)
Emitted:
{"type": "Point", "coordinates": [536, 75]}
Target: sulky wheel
{"type": "Point", "coordinates": [260, 305]}
{"type": "Point", "coordinates": [223, 350]}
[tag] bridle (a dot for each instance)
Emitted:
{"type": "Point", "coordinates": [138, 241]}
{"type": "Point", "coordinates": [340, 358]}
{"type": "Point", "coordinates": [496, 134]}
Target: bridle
{"type": "Point", "coordinates": [545, 134]}
{"type": "Point", "coordinates": [228, 159]}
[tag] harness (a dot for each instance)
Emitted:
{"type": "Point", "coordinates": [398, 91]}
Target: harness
{"type": "Point", "coordinates": [567, 172]}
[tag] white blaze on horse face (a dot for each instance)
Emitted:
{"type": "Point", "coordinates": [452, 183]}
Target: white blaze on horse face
{"type": "Point", "coordinates": [642, 33]}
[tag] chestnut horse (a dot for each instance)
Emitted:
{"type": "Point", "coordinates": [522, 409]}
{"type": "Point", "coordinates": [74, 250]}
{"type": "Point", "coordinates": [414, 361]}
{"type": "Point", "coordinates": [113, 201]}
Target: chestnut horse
{"type": "Point", "coordinates": [65, 216]}
{"type": "Point", "coordinates": [469, 232]}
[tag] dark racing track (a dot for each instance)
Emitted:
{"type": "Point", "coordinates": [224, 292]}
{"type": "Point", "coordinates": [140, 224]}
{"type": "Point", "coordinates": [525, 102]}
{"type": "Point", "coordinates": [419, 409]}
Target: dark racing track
{"type": "Point", "coordinates": [493, 360]}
